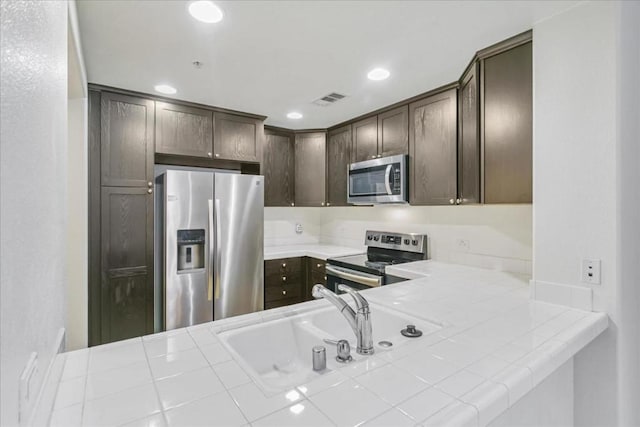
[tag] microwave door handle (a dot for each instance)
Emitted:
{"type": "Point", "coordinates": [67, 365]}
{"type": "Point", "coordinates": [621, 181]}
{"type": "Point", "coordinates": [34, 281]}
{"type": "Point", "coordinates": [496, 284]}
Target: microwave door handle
{"type": "Point", "coordinates": [387, 175]}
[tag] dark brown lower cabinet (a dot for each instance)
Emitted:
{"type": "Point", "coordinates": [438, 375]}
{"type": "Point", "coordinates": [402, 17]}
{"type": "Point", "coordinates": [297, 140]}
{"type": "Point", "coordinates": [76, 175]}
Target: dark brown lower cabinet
{"type": "Point", "coordinates": [289, 280]}
{"type": "Point", "coordinates": [432, 149]}
{"type": "Point", "coordinates": [127, 263]}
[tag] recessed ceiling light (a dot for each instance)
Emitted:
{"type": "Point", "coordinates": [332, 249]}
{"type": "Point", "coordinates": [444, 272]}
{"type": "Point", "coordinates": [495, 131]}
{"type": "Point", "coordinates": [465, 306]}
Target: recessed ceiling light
{"type": "Point", "coordinates": [378, 74]}
{"type": "Point", "coordinates": [294, 115]}
{"type": "Point", "coordinates": [205, 11]}
{"type": "Point", "coordinates": [166, 89]}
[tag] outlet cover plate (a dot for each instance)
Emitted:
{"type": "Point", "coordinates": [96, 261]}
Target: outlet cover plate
{"type": "Point", "coordinates": [590, 272]}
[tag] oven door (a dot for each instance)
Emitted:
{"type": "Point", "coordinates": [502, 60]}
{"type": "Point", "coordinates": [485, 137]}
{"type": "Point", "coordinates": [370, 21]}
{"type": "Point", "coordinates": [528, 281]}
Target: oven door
{"type": "Point", "coordinates": [353, 278]}
{"type": "Point", "coordinates": [378, 181]}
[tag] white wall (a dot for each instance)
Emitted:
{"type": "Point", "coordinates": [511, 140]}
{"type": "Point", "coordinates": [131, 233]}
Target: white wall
{"type": "Point", "coordinates": [498, 237]}
{"type": "Point", "coordinates": [76, 319]}
{"type": "Point", "coordinates": [33, 168]}
{"type": "Point", "coordinates": [628, 295]}
{"type": "Point", "coordinates": [586, 188]}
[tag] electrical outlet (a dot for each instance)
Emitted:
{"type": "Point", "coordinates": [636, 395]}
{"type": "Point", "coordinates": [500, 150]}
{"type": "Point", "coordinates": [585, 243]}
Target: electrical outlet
{"type": "Point", "coordinates": [299, 228]}
{"type": "Point", "coordinates": [26, 387]}
{"type": "Point", "coordinates": [463, 245]}
{"type": "Point", "coordinates": [591, 271]}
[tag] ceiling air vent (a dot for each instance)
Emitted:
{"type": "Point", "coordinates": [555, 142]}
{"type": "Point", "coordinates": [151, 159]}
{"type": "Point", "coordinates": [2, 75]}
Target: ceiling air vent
{"type": "Point", "coordinates": [329, 99]}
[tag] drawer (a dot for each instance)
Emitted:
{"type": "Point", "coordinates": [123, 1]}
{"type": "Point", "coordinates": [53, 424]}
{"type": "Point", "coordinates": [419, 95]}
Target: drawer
{"type": "Point", "coordinates": [317, 265]}
{"type": "Point", "coordinates": [282, 279]}
{"type": "Point", "coordinates": [282, 292]}
{"type": "Point", "coordinates": [281, 303]}
{"type": "Point", "coordinates": [283, 266]}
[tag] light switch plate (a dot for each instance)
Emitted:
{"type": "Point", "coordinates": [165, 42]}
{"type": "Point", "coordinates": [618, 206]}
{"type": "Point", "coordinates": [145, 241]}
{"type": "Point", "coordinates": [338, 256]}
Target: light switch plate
{"type": "Point", "coordinates": [590, 271]}
{"type": "Point", "coordinates": [299, 228]}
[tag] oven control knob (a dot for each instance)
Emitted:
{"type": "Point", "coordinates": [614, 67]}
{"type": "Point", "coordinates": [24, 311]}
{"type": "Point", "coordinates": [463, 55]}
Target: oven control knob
{"type": "Point", "coordinates": [376, 238]}
{"type": "Point", "coordinates": [406, 241]}
{"type": "Point", "coordinates": [369, 237]}
{"type": "Point", "coordinates": [414, 242]}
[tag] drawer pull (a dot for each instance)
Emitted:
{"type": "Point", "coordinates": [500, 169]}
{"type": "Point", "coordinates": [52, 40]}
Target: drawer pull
{"type": "Point", "coordinates": [284, 292]}
{"type": "Point", "coordinates": [284, 278]}
{"type": "Point", "coordinates": [284, 265]}
{"type": "Point", "coordinates": [318, 265]}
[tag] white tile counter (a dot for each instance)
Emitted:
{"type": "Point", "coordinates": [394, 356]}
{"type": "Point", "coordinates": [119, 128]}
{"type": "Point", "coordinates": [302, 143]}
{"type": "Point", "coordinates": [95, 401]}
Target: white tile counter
{"type": "Point", "coordinates": [316, 251]}
{"type": "Point", "coordinates": [496, 345]}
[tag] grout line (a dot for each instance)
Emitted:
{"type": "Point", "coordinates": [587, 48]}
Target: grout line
{"type": "Point", "coordinates": [155, 386]}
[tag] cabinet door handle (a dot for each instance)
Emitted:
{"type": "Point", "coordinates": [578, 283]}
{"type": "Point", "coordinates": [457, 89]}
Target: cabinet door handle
{"type": "Point", "coordinates": [451, 201]}
{"type": "Point", "coordinates": [318, 265]}
{"type": "Point", "coordinates": [458, 201]}
{"type": "Point", "coordinates": [293, 204]}
{"type": "Point", "coordinates": [150, 184]}
{"type": "Point", "coordinates": [209, 154]}
{"type": "Point", "coordinates": [322, 204]}
{"type": "Point", "coordinates": [150, 191]}
{"type": "Point", "coordinates": [284, 278]}
{"type": "Point", "coordinates": [284, 292]}
{"type": "Point", "coordinates": [217, 154]}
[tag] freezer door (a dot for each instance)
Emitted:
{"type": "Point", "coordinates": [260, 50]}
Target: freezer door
{"type": "Point", "coordinates": [188, 285]}
{"type": "Point", "coordinates": [239, 242]}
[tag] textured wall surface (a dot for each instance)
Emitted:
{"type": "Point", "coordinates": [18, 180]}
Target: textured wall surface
{"type": "Point", "coordinates": [33, 160]}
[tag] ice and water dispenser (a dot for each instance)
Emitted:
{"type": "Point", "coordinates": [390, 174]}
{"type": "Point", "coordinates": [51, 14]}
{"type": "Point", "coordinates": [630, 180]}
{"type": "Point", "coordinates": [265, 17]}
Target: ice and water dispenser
{"type": "Point", "coordinates": [190, 250]}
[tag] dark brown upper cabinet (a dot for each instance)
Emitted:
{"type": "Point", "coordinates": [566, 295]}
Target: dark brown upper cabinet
{"type": "Point", "coordinates": [126, 140]}
{"type": "Point", "coordinates": [469, 137]}
{"type": "Point", "coordinates": [364, 139]}
{"type": "Point", "coordinates": [393, 132]}
{"type": "Point", "coordinates": [278, 168]}
{"type": "Point", "coordinates": [183, 130]}
{"type": "Point", "coordinates": [432, 149]}
{"type": "Point", "coordinates": [310, 154]}
{"type": "Point", "coordinates": [508, 125]}
{"type": "Point", "coordinates": [338, 159]}
{"type": "Point", "coordinates": [237, 137]}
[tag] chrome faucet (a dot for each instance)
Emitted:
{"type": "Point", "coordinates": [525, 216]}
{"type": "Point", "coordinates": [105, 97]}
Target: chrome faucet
{"type": "Point", "coordinates": [359, 320]}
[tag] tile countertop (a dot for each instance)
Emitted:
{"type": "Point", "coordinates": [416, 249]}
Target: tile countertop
{"type": "Point", "coordinates": [495, 346]}
{"type": "Point", "coordinates": [316, 251]}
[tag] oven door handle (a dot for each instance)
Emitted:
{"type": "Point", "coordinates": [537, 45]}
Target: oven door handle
{"type": "Point", "coordinates": [387, 174]}
{"type": "Point", "coordinates": [357, 277]}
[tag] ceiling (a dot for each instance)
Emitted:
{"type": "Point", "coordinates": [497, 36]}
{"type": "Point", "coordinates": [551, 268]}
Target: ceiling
{"type": "Point", "coordinates": [273, 57]}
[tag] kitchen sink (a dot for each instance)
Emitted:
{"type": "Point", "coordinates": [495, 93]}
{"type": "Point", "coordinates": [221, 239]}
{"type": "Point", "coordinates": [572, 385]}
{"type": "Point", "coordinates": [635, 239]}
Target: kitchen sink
{"type": "Point", "coordinates": [277, 353]}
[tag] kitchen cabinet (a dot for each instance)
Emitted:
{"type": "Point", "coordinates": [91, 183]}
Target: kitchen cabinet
{"type": "Point", "coordinates": [393, 132]}
{"type": "Point", "coordinates": [237, 137]}
{"type": "Point", "coordinates": [127, 263]}
{"type": "Point", "coordinates": [316, 274]}
{"type": "Point", "coordinates": [432, 149]}
{"type": "Point", "coordinates": [383, 135]}
{"type": "Point", "coordinates": [469, 137]}
{"type": "Point", "coordinates": [126, 124]}
{"type": "Point", "coordinates": [310, 172]}
{"type": "Point", "coordinates": [183, 130]}
{"type": "Point", "coordinates": [364, 139]}
{"type": "Point", "coordinates": [121, 150]}
{"type": "Point", "coordinates": [338, 159]}
{"type": "Point", "coordinates": [278, 168]}
{"type": "Point", "coordinates": [284, 282]}
{"type": "Point", "coordinates": [508, 125]}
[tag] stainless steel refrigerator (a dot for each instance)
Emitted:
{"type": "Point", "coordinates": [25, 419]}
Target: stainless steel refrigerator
{"type": "Point", "coordinates": [210, 227]}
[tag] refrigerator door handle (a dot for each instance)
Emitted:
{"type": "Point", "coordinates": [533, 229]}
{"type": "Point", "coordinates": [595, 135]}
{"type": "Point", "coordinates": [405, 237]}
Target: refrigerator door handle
{"type": "Point", "coordinates": [217, 251]}
{"type": "Point", "coordinates": [211, 252]}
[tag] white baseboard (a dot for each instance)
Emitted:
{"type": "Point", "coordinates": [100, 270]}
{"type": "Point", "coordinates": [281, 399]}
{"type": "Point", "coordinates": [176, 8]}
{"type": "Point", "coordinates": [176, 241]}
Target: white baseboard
{"type": "Point", "coordinates": [579, 297]}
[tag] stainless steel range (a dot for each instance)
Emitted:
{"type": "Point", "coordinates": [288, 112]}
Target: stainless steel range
{"type": "Point", "coordinates": [369, 270]}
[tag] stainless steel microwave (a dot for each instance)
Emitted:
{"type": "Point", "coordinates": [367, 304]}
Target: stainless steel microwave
{"type": "Point", "coordinates": [378, 181]}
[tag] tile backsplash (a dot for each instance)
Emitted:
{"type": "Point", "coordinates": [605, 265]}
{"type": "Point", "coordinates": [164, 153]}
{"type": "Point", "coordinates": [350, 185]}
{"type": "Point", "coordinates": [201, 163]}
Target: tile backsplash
{"type": "Point", "coordinates": [490, 236]}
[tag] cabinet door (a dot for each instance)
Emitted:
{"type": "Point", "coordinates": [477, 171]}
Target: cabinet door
{"type": "Point", "coordinates": [237, 137]}
{"type": "Point", "coordinates": [184, 130]}
{"type": "Point", "coordinates": [278, 168]}
{"type": "Point", "coordinates": [127, 263]}
{"type": "Point", "coordinates": [338, 158]}
{"type": "Point", "coordinates": [310, 169]}
{"type": "Point", "coordinates": [364, 139]}
{"type": "Point", "coordinates": [508, 126]}
{"type": "Point", "coordinates": [126, 140]}
{"type": "Point", "coordinates": [393, 132]}
{"type": "Point", "coordinates": [432, 147]}
{"type": "Point", "coordinates": [469, 138]}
